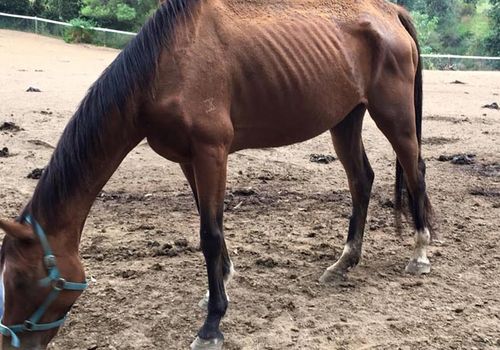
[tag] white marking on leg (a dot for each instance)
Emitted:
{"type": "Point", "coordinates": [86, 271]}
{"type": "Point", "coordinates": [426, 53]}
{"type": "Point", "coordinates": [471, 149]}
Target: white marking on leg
{"type": "Point", "coordinates": [204, 301]}
{"type": "Point", "coordinates": [422, 239]}
{"type": "Point", "coordinates": [347, 249]}
{"type": "Point", "coordinates": [230, 275]}
{"type": "Point", "coordinates": [346, 252]}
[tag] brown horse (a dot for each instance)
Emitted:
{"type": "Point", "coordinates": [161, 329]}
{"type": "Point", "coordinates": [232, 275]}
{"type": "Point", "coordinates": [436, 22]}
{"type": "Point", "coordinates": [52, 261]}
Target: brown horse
{"type": "Point", "coordinates": [205, 78]}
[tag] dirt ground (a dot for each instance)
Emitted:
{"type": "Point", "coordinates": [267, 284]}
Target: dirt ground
{"type": "Point", "coordinates": [286, 221]}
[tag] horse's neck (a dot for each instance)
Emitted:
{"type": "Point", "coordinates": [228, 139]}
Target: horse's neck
{"type": "Point", "coordinates": [66, 215]}
{"type": "Point", "coordinates": [105, 121]}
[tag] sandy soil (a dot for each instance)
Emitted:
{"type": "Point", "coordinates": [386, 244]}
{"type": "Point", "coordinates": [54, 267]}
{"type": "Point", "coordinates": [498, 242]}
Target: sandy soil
{"type": "Point", "coordinates": [283, 233]}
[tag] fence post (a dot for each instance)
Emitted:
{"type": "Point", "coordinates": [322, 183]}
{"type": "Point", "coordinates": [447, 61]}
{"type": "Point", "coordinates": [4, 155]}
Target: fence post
{"type": "Point", "coordinates": [36, 25]}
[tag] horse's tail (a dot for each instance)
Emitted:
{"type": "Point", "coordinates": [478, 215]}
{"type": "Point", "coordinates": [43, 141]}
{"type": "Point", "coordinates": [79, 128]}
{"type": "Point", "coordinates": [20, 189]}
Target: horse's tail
{"type": "Point", "coordinates": [400, 186]}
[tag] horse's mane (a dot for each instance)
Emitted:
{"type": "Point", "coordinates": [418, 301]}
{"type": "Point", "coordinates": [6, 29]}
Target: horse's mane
{"type": "Point", "coordinates": [132, 72]}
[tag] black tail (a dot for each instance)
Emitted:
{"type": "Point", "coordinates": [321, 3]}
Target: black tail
{"type": "Point", "coordinates": [400, 186]}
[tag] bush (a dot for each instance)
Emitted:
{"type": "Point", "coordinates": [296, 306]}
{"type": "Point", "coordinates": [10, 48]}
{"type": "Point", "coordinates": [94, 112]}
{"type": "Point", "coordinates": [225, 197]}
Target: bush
{"type": "Point", "coordinates": [80, 31]}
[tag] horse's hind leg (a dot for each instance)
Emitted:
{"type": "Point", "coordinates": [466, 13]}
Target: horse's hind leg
{"type": "Point", "coordinates": [349, 148]}
{"type": "Point", "coordinates": [394, 113]}
{"type": "Point", "coordinates": [228, 269]}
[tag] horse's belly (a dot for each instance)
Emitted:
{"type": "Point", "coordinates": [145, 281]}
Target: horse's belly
{"type": "Point", "coordinates": [291, 82]}
{"type": "Point", "coordinates": [272, 126]}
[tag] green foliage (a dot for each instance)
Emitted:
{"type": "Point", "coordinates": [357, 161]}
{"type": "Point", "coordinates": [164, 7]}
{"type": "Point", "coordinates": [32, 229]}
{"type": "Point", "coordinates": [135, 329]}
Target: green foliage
{"type": "Point", "coordinates": [62, 10]}
{"type": "Point", "coordinates": [20, 7]}
{"type": "Point", "coordinates": [125, 13]}
{"type": "Point", "coordinates": [80, 31]}
{"type": "Point", "coordinates": [37, 7]}
{"type": "Point", "coordinates": [492, 41]}
{"type": "Point", "coordinates": [456, 26]}
{"type": "Point", "coordinates": [119, 14]}
{"type": "Point", "coordinates": [426, 28]}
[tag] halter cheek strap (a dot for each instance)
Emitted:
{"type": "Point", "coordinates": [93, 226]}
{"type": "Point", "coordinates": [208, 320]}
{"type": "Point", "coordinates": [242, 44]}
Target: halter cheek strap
{"type": "Point", "coordinates": [53, 280]}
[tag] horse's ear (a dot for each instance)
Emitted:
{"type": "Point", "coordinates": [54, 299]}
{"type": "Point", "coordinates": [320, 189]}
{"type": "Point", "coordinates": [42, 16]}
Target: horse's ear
{"type": "Point", "coordinates": [17, 230]}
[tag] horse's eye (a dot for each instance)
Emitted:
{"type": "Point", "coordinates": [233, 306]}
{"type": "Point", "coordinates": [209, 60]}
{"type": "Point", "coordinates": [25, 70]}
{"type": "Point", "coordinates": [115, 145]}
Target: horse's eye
{"type": "Point", "coordinates": [20, 282]}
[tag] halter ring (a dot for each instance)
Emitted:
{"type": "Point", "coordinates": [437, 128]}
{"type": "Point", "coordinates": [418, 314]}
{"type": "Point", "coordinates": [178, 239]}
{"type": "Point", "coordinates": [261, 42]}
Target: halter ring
{"type": "Point", "coordinates": [58, 284]}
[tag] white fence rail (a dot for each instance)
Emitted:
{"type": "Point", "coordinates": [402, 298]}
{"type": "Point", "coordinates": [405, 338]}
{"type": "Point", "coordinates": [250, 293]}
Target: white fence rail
{"type": "Point", "coordinates": [38, 20]}
{"type": "Point", "coordinates": [486, 58]}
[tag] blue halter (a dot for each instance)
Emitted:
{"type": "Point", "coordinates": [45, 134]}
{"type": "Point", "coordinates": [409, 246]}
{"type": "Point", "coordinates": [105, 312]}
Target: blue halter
{"type": "Point", "coordinates": [53, 280]}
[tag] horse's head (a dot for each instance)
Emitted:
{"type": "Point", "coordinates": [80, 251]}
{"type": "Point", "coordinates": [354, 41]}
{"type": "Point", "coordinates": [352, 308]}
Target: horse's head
{"type": "Point", "coordinates": [36, 293]}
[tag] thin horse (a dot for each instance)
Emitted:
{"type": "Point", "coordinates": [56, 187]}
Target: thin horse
{"type": "Point", "coordinates": [205, 78]}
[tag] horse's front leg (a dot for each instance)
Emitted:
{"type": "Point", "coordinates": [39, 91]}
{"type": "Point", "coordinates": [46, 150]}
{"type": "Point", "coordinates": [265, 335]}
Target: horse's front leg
{"type": "Point", "coordinates": [228, 268]}
{"type": "Point", "coordinates": [209, 166]}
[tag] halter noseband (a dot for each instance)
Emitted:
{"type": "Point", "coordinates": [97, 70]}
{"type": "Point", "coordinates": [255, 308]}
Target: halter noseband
{"type": "Point", "coordinates": [53, 280]}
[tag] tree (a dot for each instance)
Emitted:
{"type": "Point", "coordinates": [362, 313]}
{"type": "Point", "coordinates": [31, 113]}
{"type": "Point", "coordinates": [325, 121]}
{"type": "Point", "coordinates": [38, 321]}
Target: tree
{"type": "Point", "coordinates": [426, 29]}
{"type": "Point", "coordinates": [119, 14]}
{"type": "Point", "coordinates": [37, 7]}
{"type": "Point", "coordinates": [19, 7]}
{"type": "Point", "coordinates": [493, 39]}
{"type": "Point", "coordinates": [62, 10]}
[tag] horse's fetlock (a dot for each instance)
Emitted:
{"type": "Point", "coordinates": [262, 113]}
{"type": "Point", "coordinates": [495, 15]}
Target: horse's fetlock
{"type": "Point", "coordinates": [218, 308]}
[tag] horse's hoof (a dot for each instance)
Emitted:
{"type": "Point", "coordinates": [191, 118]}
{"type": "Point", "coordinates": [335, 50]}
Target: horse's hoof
{"type": "Point", "coordinates": [210, 344]}
{"type": "Point", "coordinates": [332, 276]}
{"type": "Point", "coordinates": [416, 267]}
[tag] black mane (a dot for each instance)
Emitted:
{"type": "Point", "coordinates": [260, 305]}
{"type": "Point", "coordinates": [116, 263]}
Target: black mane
{"type": "Point", "coordinates": [132, 72]}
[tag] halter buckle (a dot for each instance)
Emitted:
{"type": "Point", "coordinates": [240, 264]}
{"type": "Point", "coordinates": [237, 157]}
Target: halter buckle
{"type": "Point", "coordinates": [49, 261]}
{"type": "Point", "coordinates": [58, 284]}
{"type": "Point", "coordinates": [28, 325]}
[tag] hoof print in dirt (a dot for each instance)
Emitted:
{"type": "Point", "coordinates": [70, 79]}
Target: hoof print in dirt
{"type": "Point", "coordinates": [157, 267]}
{"type": "Point", "coordinates": [246, 191]}
{"type": "Point", "coordinates": [182, 243]}
{"type": "Point", "coordinates": [266, 262]}
{"type": "Point", "coordinates": [33, 89]}
{"type": "Point", "coordinates": [412, 284]}
{"type": "Point", "coordinates": [459, 159]}
{"type": "Point", "coordinates": [438, 140]}
{"type": "Point", "coordinates": [321, 158]}
{"type": "Point", "coordinates": [171, 250]}
{"type": "Point", "coordinates": [36, 173]}
{"type": "Point", "coordinates": [458, 82]}
{"type": "Point", "coordinates": [4, 152]}
{"type": "Point", "coordinates": [483, 192]}
{"type": "Point", "coordinates": [10, 126]}
{"type": "Point", "coordinates": [493, 105]}
{"type": "Point", "coordinates": [127, 274]}
{"type": "Point", "coordinates": [387, 203]}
